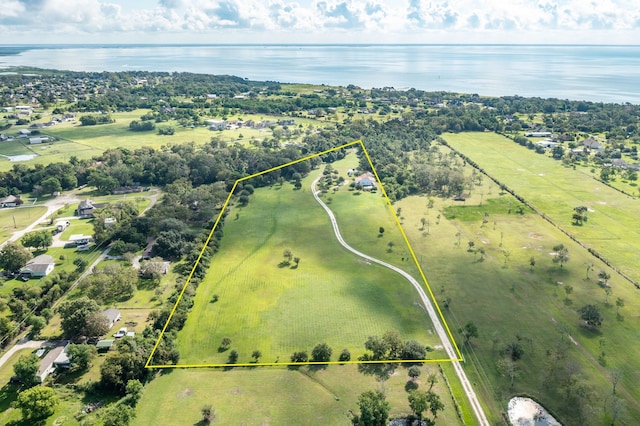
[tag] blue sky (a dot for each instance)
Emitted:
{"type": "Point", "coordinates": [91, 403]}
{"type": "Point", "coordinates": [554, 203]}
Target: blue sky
{"type": "Point", "coordinates": [320, 21]}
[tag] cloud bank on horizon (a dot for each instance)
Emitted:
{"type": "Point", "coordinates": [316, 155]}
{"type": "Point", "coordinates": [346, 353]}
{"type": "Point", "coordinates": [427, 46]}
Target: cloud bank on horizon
{"type": "Point", "coordinates": [320, 21]}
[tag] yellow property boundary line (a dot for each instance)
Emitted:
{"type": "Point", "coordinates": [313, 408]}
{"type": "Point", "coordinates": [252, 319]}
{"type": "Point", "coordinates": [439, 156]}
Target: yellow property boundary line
{"type": "Point", "coordinates": [215, 225]}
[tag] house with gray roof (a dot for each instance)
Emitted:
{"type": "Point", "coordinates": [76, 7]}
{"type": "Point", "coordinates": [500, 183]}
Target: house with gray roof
{"type": "Point", "coordinates": [39, 267]}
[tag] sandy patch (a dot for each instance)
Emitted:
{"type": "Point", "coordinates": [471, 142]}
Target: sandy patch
{"type": "Point", "coordinates": [527, 412]}
{"type": "Point", "coordinates": [185, 393]}
{"type": "Point", "coordinates": [535, 236]}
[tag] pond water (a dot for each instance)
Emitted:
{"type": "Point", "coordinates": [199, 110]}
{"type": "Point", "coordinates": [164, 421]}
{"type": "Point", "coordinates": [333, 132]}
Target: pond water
{"type": "Point", "coordinates": [16, 158]}
{"type": "Point", "coordinates": [527, 412]}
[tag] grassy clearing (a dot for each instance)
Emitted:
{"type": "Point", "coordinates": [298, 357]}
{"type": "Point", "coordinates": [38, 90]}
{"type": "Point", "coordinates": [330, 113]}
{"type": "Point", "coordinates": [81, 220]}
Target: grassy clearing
{"type": "Point", "coordinates": [273, 395]}
{"type": "Point", "coordinates": [505, 297]}
{"type": "Point", "coordinates": [612, 228]}
{"type": "Point", "coordinates": [332, 296]}
{"type": "Point", "coordinates": [18, 218]}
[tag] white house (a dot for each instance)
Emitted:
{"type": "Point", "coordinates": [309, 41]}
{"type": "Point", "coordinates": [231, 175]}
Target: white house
{"type": "Point", "coordinates": [56, 357]}
{"type": "Point", "coordinates": [39, 139]}
{"type": "Point", "coordinates": [40, 266]}
{"type": "Point", "coordinates": [538, 134]}
{"type": "Point", "coordinates": [113, 315]}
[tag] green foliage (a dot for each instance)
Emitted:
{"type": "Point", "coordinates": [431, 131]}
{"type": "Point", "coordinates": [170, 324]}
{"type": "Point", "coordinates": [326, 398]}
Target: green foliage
{"type": "Point", "coordinates": [345, 355]}
{"type": "Point", "coordinates": [374, 409]}
{"type": "Point", "coordinates": [13, 257]}
{"type": "Point", "coordinates": [37, 403]}
{"type": "Point", "coordinates": [26, 369]}
{"type": "Point", "coordinates": [321, 353]}
{"type": "Point", "coordinates": [117, 414]}
{"type": "Point", "coordinates": [144, 126]}
{"type": "Point", "coordinates": [38, 239]}
{"type": "Point", "coordinates": [82, 317]}
{"type": "Point", "coordinates": [81, 355]}
{"type": "Point", "coordinates": [126, 363]}
{"type": "Point", "coordinates": [233, 357]}
{"type": "Point", "coordinates": [37, 323]}
{"type": "Point", "coordinates": [92, 120]}
{"type": "Point", "coordinates": [468, 331]}
{"type": "Point", "coordinates": [300, 356]}
{"type": "Point", "coordinates": [591, 315]}
{"type": "Point", "coordinates": [111, 283]}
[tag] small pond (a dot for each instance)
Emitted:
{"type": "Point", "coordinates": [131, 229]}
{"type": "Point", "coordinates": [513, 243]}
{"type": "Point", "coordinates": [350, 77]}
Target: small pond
{"type": "Point", "coordinates": [527, 412]}
{"type": "Point", "coordinates": [16, 158]}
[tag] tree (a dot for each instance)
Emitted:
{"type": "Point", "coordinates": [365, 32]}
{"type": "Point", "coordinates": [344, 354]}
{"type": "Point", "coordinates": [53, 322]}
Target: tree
{"type": "Point", "coordinates": [81, 355]}
{"type": "Point", "coordinates": [393, 343]}
{"type": "Point", "coordinates": [418, 402]}
{"type": "Point", "coordinates": [432, 379]}
{"type": "Point", "coordinates": [300, 356]}
{"type": "Point", "coordinates": [14, 257]}
{"type": "Point", "coordinates": [435, 404]}
{"type": "Point", "coordinates": [26, 368]}
{"type": "Point", "coordinates": [321, 353]}
{"type": "Point", "coordinates": [374, 409]}
{"type": "Point", "coordinates": [82, 317]}
{"type": "Point", "coordinates": [208, 414]}
{"type": "Point", "coordinates": [296, 260]}
{"type": "Point", "coordinates": [117, 415]}
{"type": "Point", "coordinates": [579, 215]}
{"type": "Point", "coordinates": [561, 254]}
{"type": "Point", "coordinates": [414, 372]}
{"type": "Point", "coordinates": [604, 277]}
{"type": "Point", "coordinates": [507, 368]}
{"type": "Point", "coordinates": [233, 357]}
{"type": "Point", "coordinates": [568, 290]}
{"type": "Point", "coordinates": [37, 323]}
{"type": "Point", "coordinates": [412, 350]}
{"type": "Point", "coordinates": [37, 239]}
{"type": "Point", "coordinates": [256, 355]}
{"type": "Point", "coordinates": [37, 403]}
{"type": "Point", "coordinates": [51, 185]}
{"type": "Point", "coordinates": [619, 304]}
{"type": "Point", "coordinates": [376, 345]}
{"type": "Point", "coordinates": [591, 315]}
{"type": "Point", "coordinates": [134, 391]}
{"type": "Point", "coordinates": [345, 355]}
{"type": "Point", "coordinates": [390, 244]}
{"type": "Point", "coordinates": [288, 255]}
{"type": "Point", "coordinates": [226, 342]}
{"type": "Point", "coordinates": [468, 331]}
{"type": "Point", "coordinates": [532, 262]}
{"type": "Point", "coordinates": [381, 231]}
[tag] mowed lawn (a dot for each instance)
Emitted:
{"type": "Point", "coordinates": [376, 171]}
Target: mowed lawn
{"type": "Point", "coordinates": [612, 228]}
{"type": "Point", "coordinates": [332, 296]}
{"type": "Point", "coordinates": [514, 300]}
{"type": "Point", "coordinates": [15, 219]}
{"type": "Point", "coordinates": [277, 396]}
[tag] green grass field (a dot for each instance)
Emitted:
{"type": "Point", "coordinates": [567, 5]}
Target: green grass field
{"type": "Point", "coordinates": [332, 296]}
{"type": "Point", "coordinates": [612, 229]}
{"type": "Point", "coordinates": [23, 216]}
{"type": "Point", "coordinates": [511, 300]}
{"type": "Point", "coordinates": [275, 395]}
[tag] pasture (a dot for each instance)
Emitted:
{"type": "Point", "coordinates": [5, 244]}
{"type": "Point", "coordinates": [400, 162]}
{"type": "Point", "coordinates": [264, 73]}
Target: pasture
{"type": "Point", "coordinates": [612, 228]}
{"type": "Point", "coordinates": [14, 219]}
{"type": "Point", "coordinates": [330, 296]}
{"type": "Point", "coordinates": [276, 395]}
{"type": "Point", "coordinates": [510, 300]}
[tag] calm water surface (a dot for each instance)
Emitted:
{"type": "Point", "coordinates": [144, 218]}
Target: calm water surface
{"type": "Point", "coordinates": [596, 73]}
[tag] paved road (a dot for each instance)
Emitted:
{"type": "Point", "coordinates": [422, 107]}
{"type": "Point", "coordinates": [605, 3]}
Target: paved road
{"type": "Point", "coordinates": [23, 344]}
{"type": "Point", "coordinates": [52, 205]}
{"type": "Point", "coordinates": [435, 319]}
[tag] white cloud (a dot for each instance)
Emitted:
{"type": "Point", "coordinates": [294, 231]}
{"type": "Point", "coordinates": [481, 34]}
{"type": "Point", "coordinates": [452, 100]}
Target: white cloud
{"type": "Point", "coordinates": [302, 20]}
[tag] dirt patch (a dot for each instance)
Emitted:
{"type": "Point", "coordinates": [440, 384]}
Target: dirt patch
{"type": "Point", "coordinates": [236, 391]}
{"type": "Point", "coordinates": [185, 393]}
{"type": "Point", "coordinates": [535, 236]}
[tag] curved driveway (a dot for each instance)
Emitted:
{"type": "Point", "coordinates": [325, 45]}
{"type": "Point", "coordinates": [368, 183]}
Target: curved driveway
{"type": "Point", "coordinates": [435, 319]}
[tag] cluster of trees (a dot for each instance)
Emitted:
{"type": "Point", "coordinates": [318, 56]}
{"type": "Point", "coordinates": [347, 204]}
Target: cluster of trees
{"type": "Point", "coordinates": [144, 126]}
{"type": "Point", "coordinates": [390, 347]}
{"type": "Point", "coordinates": [93, 119]}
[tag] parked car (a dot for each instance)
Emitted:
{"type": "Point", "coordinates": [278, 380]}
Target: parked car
{"type": "Point", "coordinates": [120, 333]}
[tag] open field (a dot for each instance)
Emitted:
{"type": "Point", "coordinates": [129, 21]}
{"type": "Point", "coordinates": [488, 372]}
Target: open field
{"type": "Point", "coordinates": [276, 395]}
{"type": "Point", "coordinates": [23, 216]}
{"type": "Point", "coordinates": [506, 297]}
{"type": "Point", "coordinates": [612, 229]}
{"type": "Point", "coordinates": [332, 296]}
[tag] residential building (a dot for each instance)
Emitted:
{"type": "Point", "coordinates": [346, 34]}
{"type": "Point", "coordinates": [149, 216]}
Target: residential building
{"type": "Point", "coordinates": [38, 267]}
